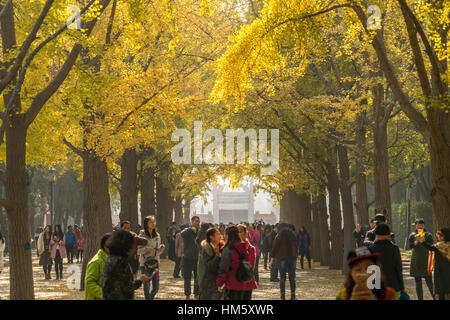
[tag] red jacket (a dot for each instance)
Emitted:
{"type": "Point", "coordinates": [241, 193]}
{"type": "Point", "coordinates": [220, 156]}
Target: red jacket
{"type": "Point", "coordinates": [229, 264]}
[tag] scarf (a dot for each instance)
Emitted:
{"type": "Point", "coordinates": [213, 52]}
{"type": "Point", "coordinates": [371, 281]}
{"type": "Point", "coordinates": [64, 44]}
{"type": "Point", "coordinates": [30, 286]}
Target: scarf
{"type": "Point", "coordinates": [444, 249]}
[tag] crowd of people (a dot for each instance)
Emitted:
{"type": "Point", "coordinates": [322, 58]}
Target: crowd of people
{"type": "Point", "coordinates": [55, 246]}
{"type": "Point", "coordinates": [221, 261]}
{"type": "Point", "coordinates": [376, 245]}
{"type": "Point", "coordinates": [216, 261]}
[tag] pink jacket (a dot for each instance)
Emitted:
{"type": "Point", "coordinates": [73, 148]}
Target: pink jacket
{"type": "Point", "coordinates": [253, 238]}
{"type": "Point", "coordinates": [80, 244]}
{"type": "Point", "coordinates": [62, 248]}
{"type": "Point", "coordinates": [229, 266]}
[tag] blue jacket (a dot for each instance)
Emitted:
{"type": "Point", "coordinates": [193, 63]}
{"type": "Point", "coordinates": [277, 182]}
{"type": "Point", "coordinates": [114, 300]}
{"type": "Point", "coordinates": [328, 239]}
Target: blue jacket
{"type": "Point", "coordinates": [70, 238]}
{"type": "Point", "coordinates": [303, 242]}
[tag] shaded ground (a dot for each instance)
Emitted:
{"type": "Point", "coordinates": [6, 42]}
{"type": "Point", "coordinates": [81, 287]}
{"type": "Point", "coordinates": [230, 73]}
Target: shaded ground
{"type": "Point", "coordinates": [320, 283]}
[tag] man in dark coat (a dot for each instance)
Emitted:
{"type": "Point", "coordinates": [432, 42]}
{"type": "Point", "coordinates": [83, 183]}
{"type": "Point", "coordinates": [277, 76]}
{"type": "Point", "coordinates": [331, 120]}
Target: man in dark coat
{"type": "Point", "coordinates": [274, 268]}
{"type": "Point", "coordinates": [419, 258]}
{"type": "Point", "coordinates": [390, 258]}
{"type": "Point", "coordinates": [360, 232]}
{"type": "Point", "coordinates": [370, 235]}
{"type": "Point", "coordinates": [190, 257]}
{"type": "Point", "coordinates": [171, 232]}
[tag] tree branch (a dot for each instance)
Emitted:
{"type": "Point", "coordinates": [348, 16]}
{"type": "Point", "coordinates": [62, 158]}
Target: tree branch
{"type": "Point", "coordinates": [26, 44]}
{"type": "Point", "coordinates": [42, 97]}
{"type": "Point", "coordinates": [73, 148]}
{"type": "Point", "coordinates": [4, 8]}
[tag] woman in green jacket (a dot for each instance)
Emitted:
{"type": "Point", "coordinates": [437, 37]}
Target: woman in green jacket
{"type": "Point", "coordinates": [94, 271]}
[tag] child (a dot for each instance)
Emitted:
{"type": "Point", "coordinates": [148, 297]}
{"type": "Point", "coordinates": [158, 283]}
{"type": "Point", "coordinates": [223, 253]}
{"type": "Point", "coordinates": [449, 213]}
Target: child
{"type": "Point", "coordinates": [356, 283]}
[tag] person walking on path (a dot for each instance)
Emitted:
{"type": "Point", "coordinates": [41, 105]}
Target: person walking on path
{"type": "Point", "coordinates": [149, 256]}
{"type": "Point", "coordinates": [419, 258]}
{"type": "Point", "coordinates": [235, 252]}
{"type": "Point", "coordinates": [355, 287]}
{"type": "Point", "coordinates": [266, 244]}
{"type": "Point", "coordinates": [390, 258]}
{"type": "Point", "coordinates": [94, 270]}
{"type": "Point", "coordinates": [198, 242]}
{"type": "Point", "coordinates": [274, 267]}
{"type": "Point", "coordinates": [38, 232]}
{"type": "Point", "coordinates": [211, 252]}
{"type": "Point", "coordinates": [171, 233]}
{"type": "Point", "coordinates": [71, 242]}
{"type": "Point", "coordinates": [58, 250]}
{"type": "Point", "coordinates": [134, 260]}
{"type": "Point", "coordinates": [254, 237]}
{"type": "Point", "coordinates": [2, 249]}
{"type": "Point", "coordinates": [285, 250]}
{"type": "Point", "coordinates": [190, 254]}
{"type": "Point", "coordinates": [440, 262]}
{"type": "Point", "coordinates": [80, 246]}
{"type": "Point", "coordinates": [304, 246]}
{"type": "Point", "coordinates": [45, 259]}
{"type": "Point", "coordinates": [117, 277]}
{"type": "Point", "coordinates": [178, 253]}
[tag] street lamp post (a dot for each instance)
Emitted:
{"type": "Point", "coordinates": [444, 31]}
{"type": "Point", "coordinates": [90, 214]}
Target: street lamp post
{"type": "Point", "coordinates": [52, 199]}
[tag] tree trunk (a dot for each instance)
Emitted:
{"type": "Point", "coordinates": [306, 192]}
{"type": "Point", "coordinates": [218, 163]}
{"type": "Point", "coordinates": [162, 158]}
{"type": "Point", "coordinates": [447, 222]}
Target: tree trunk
{"type": "Point", "coordinates": [381, 160]}
{"type": "Point", "coordinates": [347, 204]}
{"type": "Point", "coordinates": [305, 211]}
{"type": "Point", "coordinates": [16, 186]}
{"type": "Point", "coordinates": [178, 211]}
{"type": "Point", "coordinates": [148, 193]}
{"type": "Point", "coordinates": [163, 211]}
{"type": "Point", "coordinates": [325, 252]}
{"type": "Point", "coordinates": [434, 128]}
{"type": "Point", "coordinates": [284, 206]}
{"type": "Point", "coordinates": [315, 233]}
{"type": "Point", "coordinates": [293, 214]}
{"type": "Point", "coordinates": [97, 218]}
{"type": "Point", "coordinates": [335, 211]}
{"type": "Point", "coordinates": [440, 176]}
{"type": "Point", "coordinates": [362, 204]}
{"type": "Point", "coordinates": [187, 211]}
{"type": "Point", "coordinates": [129, 189]}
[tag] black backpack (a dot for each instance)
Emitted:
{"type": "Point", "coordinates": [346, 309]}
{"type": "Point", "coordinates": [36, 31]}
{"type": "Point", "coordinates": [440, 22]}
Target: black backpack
{"type": "Point", "coordinates": [244, 273]}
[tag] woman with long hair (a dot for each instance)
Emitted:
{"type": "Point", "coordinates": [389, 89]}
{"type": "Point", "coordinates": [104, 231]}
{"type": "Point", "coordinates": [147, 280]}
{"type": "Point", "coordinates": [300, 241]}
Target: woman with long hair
{"type": "Point", "coordinates": [118, 283]}
{"type": "Point", "coordinates": [58, 250]}
{"type": "Point", "coordinates": [201, 235]}
{"type": "Point", "coordinates": [2, 249]}
{"type": "Point", "coordinates": [149, 256]}
{"type": "Point", "coordinates": [266, 243]}
{"type": "Point", "coordinates": [440, 262]}
{"type": "Point", "coordinates": [80, 245]}
{"type": "Point", "coordinates": [355, 286]}
{"type": "Point", "coordinates": [211, 252]}
{"type": "Point", "coordinates": [236, 248]}
{"type": "Point", "coordinates": [253, 236]}
{"type": "Point", "coordinates": [304, 246]}
{"type": "Point", "coordinates": [45, 258]}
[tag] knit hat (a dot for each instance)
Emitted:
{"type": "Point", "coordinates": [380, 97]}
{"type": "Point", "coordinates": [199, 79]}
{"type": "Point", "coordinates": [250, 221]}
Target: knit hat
{"type": "Point", "coordinates": [380, 218]}
{"type": "Point", "coordinates": [361, 254]}
{"type": "Point", "coordinates": [419, 220]}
